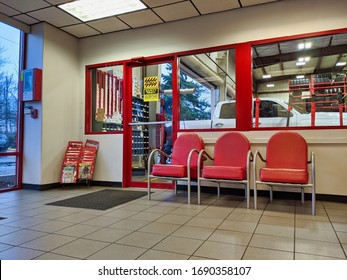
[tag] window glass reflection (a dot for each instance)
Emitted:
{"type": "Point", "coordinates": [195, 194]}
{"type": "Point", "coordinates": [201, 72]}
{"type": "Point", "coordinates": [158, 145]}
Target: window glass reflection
{"type": "Point", "coordinates": [107, 99]}
{"type": "Point", "coordinates": [303, 80]}
{"type": "Point", "coordinates": [207, 82]}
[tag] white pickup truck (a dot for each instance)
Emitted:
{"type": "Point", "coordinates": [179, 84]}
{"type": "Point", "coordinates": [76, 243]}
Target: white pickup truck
{"type": "Point", "coordinates": [273, 112]}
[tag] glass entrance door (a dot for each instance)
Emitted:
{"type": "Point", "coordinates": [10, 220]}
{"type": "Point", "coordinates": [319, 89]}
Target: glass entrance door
{"type": "Point", "coordinates": [150, 124]}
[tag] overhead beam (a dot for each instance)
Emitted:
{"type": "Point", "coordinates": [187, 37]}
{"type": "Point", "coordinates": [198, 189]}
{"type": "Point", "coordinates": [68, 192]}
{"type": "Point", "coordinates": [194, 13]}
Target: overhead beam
{"type": "Point", "coordinates": [265, 61]}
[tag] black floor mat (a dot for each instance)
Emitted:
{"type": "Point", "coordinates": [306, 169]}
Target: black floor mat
{"type": "Point", "coordinates": [100, 200]}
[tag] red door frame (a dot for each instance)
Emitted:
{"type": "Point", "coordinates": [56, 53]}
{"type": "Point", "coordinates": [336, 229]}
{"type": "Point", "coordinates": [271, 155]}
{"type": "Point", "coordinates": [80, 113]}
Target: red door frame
{"type": "Point", "coordinates": [127, 113]}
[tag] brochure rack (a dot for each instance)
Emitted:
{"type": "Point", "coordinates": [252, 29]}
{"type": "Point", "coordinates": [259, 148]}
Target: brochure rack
{"type": "Point", "coordinates": [79, 161]}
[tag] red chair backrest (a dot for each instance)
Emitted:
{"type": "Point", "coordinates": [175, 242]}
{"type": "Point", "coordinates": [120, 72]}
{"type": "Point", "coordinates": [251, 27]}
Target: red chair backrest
{"type": "Point", "coordinates": [231, 150]}
{"type": "Point", "coordinates": [182, 147]}
{"type": "Point", "coordinates": [286, 149]}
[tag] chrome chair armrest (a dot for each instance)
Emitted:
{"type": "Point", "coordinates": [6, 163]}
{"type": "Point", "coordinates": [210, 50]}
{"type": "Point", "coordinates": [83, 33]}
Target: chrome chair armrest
{"type": "Point", "coordinates": [203, 155]}
{"type": "Point", "coordinates": [151, 156]}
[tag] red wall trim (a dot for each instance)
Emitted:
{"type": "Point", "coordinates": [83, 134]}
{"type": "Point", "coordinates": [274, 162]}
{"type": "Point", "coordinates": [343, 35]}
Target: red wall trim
{"type": "Point", "coordinates": [244, 97]}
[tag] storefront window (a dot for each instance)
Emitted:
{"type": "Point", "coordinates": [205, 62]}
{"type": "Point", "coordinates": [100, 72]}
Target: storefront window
{"type": "Point", "coordinates": [300, 83]}
{"type": "Point", "coordinates": [10, 60]}
{"type": "Point", "coordinates": [107, 99]}
{"type": "Point", "coordinates": [207, 90]}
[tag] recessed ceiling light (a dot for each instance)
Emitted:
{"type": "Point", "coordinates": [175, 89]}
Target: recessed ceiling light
{"type": "Point", "coordinates": [341, 64]}
{"type": "Point", "coordinates": [306, 59]}
{"type": "Point", "coordinates": [266, 76]}
{"type": "Point", "coordinates": [301, 63]}
{"type": "Point", "coordinates": [300, 76]}
{"type": "Point", "coordinates": [302, 46]}
{"type": "Point", "coordinates": [87, 10]}
{"type": "Point", "coordinates": [270, 85]}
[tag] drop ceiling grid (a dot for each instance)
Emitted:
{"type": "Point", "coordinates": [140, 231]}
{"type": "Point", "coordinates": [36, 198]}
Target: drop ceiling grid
{"type": "Point", "coordinates": [158, 11]}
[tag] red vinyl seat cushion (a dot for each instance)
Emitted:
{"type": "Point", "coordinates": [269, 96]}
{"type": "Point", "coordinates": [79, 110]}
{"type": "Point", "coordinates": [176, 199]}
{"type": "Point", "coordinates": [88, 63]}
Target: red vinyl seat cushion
{"type": "Point", "coordinates": [169, 170]}
{"type": "Point", "coordinates": [284, 175]}
{"type": "Point", "coordinates": [224, 172]}
{"type": "Point", "coordinates": [173, 170]}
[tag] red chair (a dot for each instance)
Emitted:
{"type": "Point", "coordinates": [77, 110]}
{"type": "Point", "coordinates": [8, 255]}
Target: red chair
{"type": "Point", "coordinates": [231, 163]}
{"type": "Point", "coordinates": [183, 166]}
{"type": "Point", "coordinates": [286, 165]}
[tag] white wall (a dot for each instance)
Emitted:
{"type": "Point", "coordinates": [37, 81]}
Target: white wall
{"type": "Point", "coordinates": [61, 104]}
{"type": "Point", "coordinates": [279, 19]}
{"type": "Point", "coordinates": [33, 127]}
{"type": "Point", "coordinates": [45, 138]}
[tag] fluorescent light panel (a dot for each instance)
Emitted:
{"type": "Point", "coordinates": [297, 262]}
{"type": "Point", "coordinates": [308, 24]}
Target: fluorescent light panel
{"type": "Point", "coordinates": [341, 64]}
{"type": "Point", "coordinates": [304, 59]}
{"type": "Point", "coordinates": [87, 10]}
{"type": "Point", "coordinates": [270, 85]}
{"type": "Point", "coordinates": [307, 45]}
{"type": "Point", "coordinates": [300, 76]}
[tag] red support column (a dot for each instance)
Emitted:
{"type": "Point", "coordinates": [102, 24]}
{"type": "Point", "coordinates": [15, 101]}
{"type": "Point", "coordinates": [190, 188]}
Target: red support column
{"type": "Point", "coordinates": [244, 87]}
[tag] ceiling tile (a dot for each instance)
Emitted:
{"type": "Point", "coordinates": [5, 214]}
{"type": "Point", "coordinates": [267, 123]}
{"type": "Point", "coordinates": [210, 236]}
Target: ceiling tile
{"type": "Point", "coordinates": [207, 6]}
{"type": "Point", "coordinates": [110, 24]}
{"type": "Point", "coordinates": [54, 16]}
{"type": "Point", "coordinates": [157, 3]}
{"type": "Point", "coordinates": [26, 6]}
{"type": "Point", "coordinates": [57, 2]}
{"type": "Point", "coordinates": [26, 19]}
{"type": "Point", "coordinates": [8, 11]}
{"type": "Point", "coordinates": [246, 3]}
{"type": "Point", "coordinates": [80, 30]}
{"type": "Point", "coordinates": [176, 11]}
{"type": "Point", "coordinates": [141, 18]}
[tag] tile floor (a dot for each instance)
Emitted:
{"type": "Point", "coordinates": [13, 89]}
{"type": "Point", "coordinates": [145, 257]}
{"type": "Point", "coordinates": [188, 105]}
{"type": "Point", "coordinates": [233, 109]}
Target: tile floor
{"type": "Point", "coordinates": [167, 228]}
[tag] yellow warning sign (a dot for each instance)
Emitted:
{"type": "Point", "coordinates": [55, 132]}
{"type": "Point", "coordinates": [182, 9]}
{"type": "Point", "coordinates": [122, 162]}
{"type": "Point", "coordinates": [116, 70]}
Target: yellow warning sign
{"type": "Point", "coordinates": [151, 82]}
{"type": "Point", "coordinates": [151, 89]}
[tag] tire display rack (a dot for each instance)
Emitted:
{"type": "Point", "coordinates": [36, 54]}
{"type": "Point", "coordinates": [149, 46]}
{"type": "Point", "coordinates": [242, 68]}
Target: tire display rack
{"type": "Point", "coordinates": [79, 162]}
{"type": "Point", "coordinates": [140, 135]}
{"type": "Point", "coordinates": [319, 93]}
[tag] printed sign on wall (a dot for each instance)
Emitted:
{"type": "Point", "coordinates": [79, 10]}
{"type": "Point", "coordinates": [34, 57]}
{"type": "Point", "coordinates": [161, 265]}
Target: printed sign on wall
{"type": "Point", "coordinates": [151, 89]}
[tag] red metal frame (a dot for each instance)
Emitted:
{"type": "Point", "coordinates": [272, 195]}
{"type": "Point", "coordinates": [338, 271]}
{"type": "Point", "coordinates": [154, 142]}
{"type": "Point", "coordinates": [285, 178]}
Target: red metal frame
{"type": "Point", "coordinates": [243, 58]}
{"type": "Point", "coordinates": [243, 77]}
{"type": "Point", "coordinates": [127, 115]}
{"type": "Point", "coordinates": [88, 97]}
{"type": "Point", "coordinates": [296, 37]}
{"type": "Point", "coordinates": [20, 121]}
{"type": "Point", "coordinates": [243, 87]}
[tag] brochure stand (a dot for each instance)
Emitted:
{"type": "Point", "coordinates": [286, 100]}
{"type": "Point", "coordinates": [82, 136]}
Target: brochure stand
{"type": "Point", "coordinates": [79, 161]}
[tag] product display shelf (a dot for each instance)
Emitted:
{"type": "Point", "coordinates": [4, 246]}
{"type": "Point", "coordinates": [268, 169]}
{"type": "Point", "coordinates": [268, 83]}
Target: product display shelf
{"type": "Point", "coordinates": [140, 135]}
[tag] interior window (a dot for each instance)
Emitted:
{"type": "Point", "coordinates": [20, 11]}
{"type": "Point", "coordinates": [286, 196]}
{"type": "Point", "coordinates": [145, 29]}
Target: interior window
{"type": "Point", "coordinates": [302, 80]}
{"type": "Point", "coordinates": [107, 99]}
{"type": "Point", "coordinates": [207, 81]}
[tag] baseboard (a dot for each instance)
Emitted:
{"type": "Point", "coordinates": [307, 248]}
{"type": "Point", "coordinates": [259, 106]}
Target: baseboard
{"type": "Point", "coordinates": [107, 184]}
{"type": "Point", "coordinates": [41, 187]}
{"type": "Point", "coordinates": [265, 193]}
{"type": "Point", "coordinates": [226, 191]}
{"type": "Point", "coordinates": [45, 187]}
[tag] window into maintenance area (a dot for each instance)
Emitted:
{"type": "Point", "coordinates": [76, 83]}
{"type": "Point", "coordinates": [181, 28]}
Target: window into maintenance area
{"type": "Point", "coordinates": [300, 83]}
{"type": "Point", "coordinates": [10, 58]}
{"type": "Point", "coordinates": [105, 106]}
{"type": "Point", "coordinates": [207, 90]}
